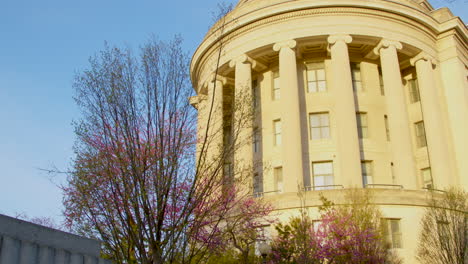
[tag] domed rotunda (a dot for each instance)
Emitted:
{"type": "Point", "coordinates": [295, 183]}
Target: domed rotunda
{"type": "Point", "coordinates": [345, 93]}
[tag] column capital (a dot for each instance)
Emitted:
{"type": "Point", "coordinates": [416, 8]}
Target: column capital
{"type": "Point", "coordinates": [332, 39]}
{"type": "Point", "coordinates": [285, 44]}
{"type": "Point", "coordinates": [244, 58]}
{"type": "Point", "coordinates": [219, 78]}
{"type": "Point", "coordinates": [385, 43]}
{"type": "Point", "coordinates": [422, 56]}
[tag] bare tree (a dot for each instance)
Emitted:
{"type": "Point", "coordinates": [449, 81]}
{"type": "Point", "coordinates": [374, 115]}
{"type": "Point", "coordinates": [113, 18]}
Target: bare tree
{"type": "Point", "coordinates": [142, 181]}
{"type": "Point", "coordinates": [444, 234]}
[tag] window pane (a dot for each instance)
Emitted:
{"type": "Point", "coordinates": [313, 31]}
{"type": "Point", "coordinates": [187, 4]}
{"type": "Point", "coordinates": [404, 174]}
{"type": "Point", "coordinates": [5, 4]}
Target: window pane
{"type": "Point", "coordinates": [277, 127]}
{"type": "Point", "coordinates": [315, 120]}
{"type": "Point", "coordinates": [311, 74]}
{"type": "Point", "coordinates": [325, 132]}
{"type": "Point", "coordinates": [324, 120]}
{"type": "Point", "coordinates": [322, 86]}
{"type": "Point", "coordinates": [321, 74]}
{"type": "Point", "coordinates": [319, 180]}
{"type": "Point", "coordinates": [316, 133]}
{"type": "Point", "coordinates": [277, 94]}
{"type": "Point", "coordinates": [276, 83]}
{"type": "Point", "coordinates": [312, 88]}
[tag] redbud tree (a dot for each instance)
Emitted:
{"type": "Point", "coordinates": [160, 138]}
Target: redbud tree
{"type": "Point", "coordinates": [141, 181]}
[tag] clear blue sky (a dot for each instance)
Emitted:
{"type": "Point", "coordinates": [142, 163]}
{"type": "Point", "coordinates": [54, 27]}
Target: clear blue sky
{"type": "Point", "coordinates": [42, 44]}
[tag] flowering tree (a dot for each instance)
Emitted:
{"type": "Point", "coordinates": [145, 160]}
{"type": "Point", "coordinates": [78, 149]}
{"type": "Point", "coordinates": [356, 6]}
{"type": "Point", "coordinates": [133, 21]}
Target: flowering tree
{"type": "Point", "coordinates": [344, 234]}
{"type": "Point", "coordinates": [135, 183]}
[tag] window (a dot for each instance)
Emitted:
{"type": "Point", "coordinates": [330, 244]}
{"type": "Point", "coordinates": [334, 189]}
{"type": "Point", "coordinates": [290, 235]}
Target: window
{"type": "Point", "coordinates": [276, 86]}
{"type": "Point", "coordinates": [227, 172]}
{"type": "Point", "coordinates": [323, 175]}
{"type": "Point", "coordinates": [392, 232]}
{"type": "Point", "coordinates": [387, 131]}
{"type": "Point", "coordinates": [444, 232]}
{"type": "Point", "coordinates": [427, 178]}
{"type": "Point", "coordinates": [255, 100]}
{"type": "Point", "coordinates": [413, 90]}
{"type": "Point", "coordinates": [356, 77]}
{"type": "Point", "coordinates": [319, 125]}
{"type": "Point", "coordinates": [361, 119]}
{"type": "Point", "coordinates": [316, 225]}
{"type": "Point", "coordinates": [278, 174]}
{"type": "Point", "coordinates": [316, 80]}
{"type": "Point", "coordinates": [420, 134]}
{"type": "Point", "coordinates": [382, 90]}
{"type": "Point", "coordinates": [227, 136]}
{"type": "Point", "coordinates": [277, 131]}
{"type": "Point", "coordinates": [257, 185]}
{"type": "Point", "coordinates": [256, 140]}
{"type": "Point", "coordinates": [366, 168]}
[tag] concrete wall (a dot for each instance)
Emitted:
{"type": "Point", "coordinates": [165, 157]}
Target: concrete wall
{"type": "Point", "coordinates": [22, 242]}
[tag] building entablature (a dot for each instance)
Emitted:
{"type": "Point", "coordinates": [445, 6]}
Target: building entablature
{"type": "Point", "coordinates": [384, 19]}
{"type": "Point", "coordinates": [308, 49]}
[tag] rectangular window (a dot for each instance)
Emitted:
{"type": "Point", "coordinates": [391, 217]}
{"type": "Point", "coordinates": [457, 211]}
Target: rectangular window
{"type": "Point", "coordinates": [444, 232]}
{"type": "Point", "coordinates": [366, 168]}
{"type": "Point", "coordinates": [227, 170]}
{"type": "Point", "coordinates": [257, 185]}
{"type": "Point", "coordinates": [256, 140]}
{"type": "Point", "coordinates": [227, 136]}
{"type": "Point", "coordinates": [277, 131]}
{"type": "Point", "coordinates": [382, 90]}
{"type": "Point", "coordinates": [278, 174]}
{"type": "Point", "coordinates": [323, 175]}
{"type": "Point", "coordinates": [255, 100]}
{"type": "Point", "coordinates": [392, 232]}
{"type": "Point", "coordinates": [414, 90]}
{"type": "Point", "coordinates": [316, 79]}
{"type": "Point", "coordinates": [319, 126]}
{"type": "Point", "coordinates": [387, 130]}
{"type": "Point", "coordinates": [363, 130]}
{"type": "Point", "coordinates": [420, 134]}
{"type": "Point", "coordinates": [356, 77]}
{"type": "Point", "coordinates": [276, 86]}
{"type": "Point", "coordinates": [427, 178]}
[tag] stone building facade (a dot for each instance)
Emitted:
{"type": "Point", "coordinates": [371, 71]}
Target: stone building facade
{"type": "Point", "coordinates": [346, 93]}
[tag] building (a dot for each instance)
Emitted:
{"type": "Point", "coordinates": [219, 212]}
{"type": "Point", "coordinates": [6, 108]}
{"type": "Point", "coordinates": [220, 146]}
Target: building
{"type": "Point", "coordinates": [347, 93]}
{"type": "Point", "coordinates": [22, 242]}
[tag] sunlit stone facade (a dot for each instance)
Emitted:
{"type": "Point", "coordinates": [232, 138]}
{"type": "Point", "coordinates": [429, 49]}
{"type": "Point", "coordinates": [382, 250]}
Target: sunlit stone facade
{"type": "Point", "coordinates": [346, 93]}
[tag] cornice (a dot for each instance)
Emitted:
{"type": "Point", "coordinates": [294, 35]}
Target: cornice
{"type": "Point", "coordinates": [208, 46]}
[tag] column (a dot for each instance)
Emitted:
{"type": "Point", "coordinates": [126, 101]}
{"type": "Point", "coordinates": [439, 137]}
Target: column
{"type": "Point", "coordinates": [214, 121]}
{"type": "Point", "coordinates": [402, 151]}
{"type": "Point", "coordinates": [9, 249]}
{"type": "Point", "coordinates": [453, 73]}
{"type": "Point", "coordinates": [290, 118]}
{"type": "Point", "coordinates": [242, 126]}
{"type": "Point", "coordinates": [349, 155]}
{"type": "Point", "coordinates": [436, 136]}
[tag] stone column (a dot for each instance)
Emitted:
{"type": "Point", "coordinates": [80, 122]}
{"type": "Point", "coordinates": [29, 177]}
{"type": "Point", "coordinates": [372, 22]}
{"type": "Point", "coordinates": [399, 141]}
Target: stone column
{"type": "Point", "coordinates": [290, 118]}
{"type": "Point", "coordinates": [242, 126]}
{"type": "Point", "coordinates": [433, 122]}
{"type": "Point", "coordinates": [214, 103]}
{"type": "Point", "coordinates": [400, 136]}
{"type": "Point", "coordinates": [349, 156]}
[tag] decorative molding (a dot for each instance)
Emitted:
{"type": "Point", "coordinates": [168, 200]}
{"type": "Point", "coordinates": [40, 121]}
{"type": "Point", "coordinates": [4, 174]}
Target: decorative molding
{"type": "Point", "coordinates": [332, 39]}
{"type": "Point", "coordinates": [244, 58]}
{"type": "Point", "coordinates": [209, 48]}
{"type": "Point", "coordinates": [216, 77]}
{"type": "Point", "coordinates": [385, 43]}
{"type": "Point", "coordinates": [422, 56]}
{"type": "Point", "coordinates": [285, 44]}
